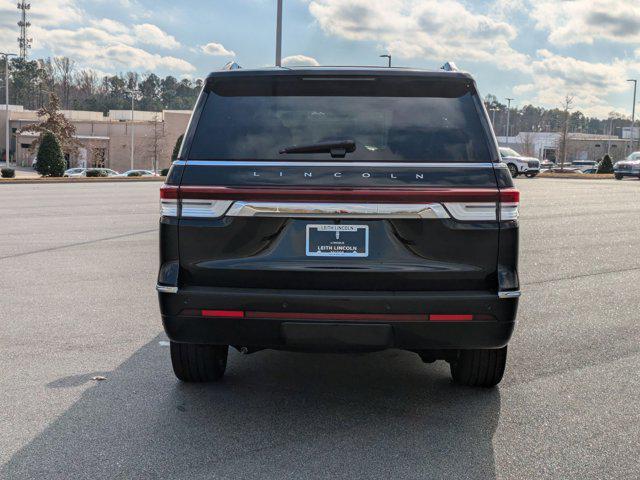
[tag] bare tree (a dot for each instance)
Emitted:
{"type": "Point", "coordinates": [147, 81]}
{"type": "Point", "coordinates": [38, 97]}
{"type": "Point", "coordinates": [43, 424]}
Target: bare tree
{"type": "Point", "coordinates": [527, 144]}
{"type": "Point", "coordinates": [64, 68]}
{"type": "Point", "coordinates": [563, 143]}
{"type": "Point", "coordinates": [156, 148]}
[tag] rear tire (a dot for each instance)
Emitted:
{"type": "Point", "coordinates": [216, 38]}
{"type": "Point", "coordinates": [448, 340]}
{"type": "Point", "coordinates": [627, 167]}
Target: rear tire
{"type": "Point", "coordinates": [198, 363]}
{"type": "Point", "coordinates": [479, 368]}
{"type": "Point", "coordinates": [617, 177]}
{"type": "Point", "coordinates": [513, 170]}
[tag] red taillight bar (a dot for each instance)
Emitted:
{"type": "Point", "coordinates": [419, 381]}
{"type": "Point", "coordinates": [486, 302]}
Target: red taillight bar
{"type": "Point", "coordinates": [510, 195]}
{"type": "Point", "coordinates": [450, 318]}
{"type": "Point", "coordinates": [222, 313]}
{"type": "Point", "coordinates": [363, 195]}
{"type": "Point", "coordinates": [169, 192]}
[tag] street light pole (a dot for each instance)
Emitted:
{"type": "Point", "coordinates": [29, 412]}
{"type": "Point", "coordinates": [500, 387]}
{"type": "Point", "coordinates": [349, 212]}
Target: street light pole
{"type": "Point", "coordinates": [279, 35]}
{"type": "Point", "coordinates": [133, 93]}
{"type": "Point", "coordinates": [7, 130]}
{"type": "Point", "coordinates": [387, 56]}
{"type": "Point", "coordinates": [508, 118]}
{"type": "Point", "coordinates": [633, 112]}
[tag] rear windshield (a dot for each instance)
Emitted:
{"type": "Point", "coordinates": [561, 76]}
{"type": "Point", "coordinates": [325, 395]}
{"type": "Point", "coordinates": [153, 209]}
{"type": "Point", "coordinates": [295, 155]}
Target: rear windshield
{"type": "Point", "coordinates": [389, 119]}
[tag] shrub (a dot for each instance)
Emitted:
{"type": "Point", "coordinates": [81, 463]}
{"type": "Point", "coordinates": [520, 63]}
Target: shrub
{"type": "Point", "coordinates": [176, 149]}
{"type": "Point", "coordinates": [8, 173]}
{"type": "Point", "coordinates": [135, 174]}
{"type": "Point", "coordinates": [605, 166]}
{"type": "Point", "coordinates": [164, 172]}
{"type": "Point", "coordinates": [50, 161]}
{"type": "Point", "coordinates": [94, 173]}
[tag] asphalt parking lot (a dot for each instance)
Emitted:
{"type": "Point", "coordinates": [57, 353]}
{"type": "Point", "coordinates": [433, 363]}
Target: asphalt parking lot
{"type": "Point", "coordinates": [77, 275]}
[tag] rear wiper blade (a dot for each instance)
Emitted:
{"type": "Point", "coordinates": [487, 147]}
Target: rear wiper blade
{"type": "Point", "coordinates": [337, 148]}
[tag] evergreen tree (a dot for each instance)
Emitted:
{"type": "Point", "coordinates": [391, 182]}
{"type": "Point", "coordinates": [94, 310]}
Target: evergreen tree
{"type": "Point", "coordinates": [50, 160]}
{"type": "Point", "coordinates": [176, 149]}
{"type": "Point", "coordinates": [605, 166]}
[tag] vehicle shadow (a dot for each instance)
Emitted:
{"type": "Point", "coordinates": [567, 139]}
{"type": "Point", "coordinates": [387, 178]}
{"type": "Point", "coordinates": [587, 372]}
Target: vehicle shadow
{"type": "Point", "coordinates": [276, 415]}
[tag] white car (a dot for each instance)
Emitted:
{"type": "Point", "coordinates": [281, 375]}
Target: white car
{"type": "Point", "coordinates": [519, 164]}
{"type": "Point", "coordinates": [138, 173]}
{"type": "Point", "coordinates": [629, 167]}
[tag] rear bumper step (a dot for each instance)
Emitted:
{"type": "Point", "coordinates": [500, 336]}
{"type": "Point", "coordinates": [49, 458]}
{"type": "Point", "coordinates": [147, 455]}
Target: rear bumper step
{"type": "Point", "coordinates": [360, 320]}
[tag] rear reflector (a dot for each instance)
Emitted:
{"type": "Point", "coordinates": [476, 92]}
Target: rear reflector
{"type": "Point", "coordinates": [222, 313]}
{"type": "Point", "coordinates": [450, 318]}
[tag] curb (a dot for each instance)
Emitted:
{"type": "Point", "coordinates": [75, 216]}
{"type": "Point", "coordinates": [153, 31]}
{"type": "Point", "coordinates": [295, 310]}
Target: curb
{"type": "Point", "coordinates": [22, 181]}
{"type": "Point", "coordinates": [578, 176]}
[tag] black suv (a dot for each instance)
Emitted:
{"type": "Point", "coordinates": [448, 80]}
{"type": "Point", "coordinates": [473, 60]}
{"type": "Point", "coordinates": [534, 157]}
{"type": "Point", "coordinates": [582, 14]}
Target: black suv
{"type": "Point", "coordinates": [340, 210]}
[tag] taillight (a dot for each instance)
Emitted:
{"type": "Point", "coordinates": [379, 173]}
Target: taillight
{"type": "Point", "coordinates": [509, 203]}
{"type": "Point", "coordinates": [169, 201]}
{"type": "Point", "coordinates": [173, 205]}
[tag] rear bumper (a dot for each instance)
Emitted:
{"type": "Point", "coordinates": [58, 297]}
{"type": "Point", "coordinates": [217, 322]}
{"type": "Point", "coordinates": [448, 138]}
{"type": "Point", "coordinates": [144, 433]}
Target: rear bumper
{"type": "Point", "coordinates": [300, 334]}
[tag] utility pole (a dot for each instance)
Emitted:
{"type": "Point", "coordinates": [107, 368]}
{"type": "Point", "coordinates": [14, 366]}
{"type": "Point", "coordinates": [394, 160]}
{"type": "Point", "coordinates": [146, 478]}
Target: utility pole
{"type": "Point", "coordinates": [387, 56]}
{"type": "Point", "coordinates": [133, 92]}
{"type": "Point", "coordinates": [7, 131]}
{"type": "Point", "coordinates": [493, 116]}
{"type": "Point", "coordinates": [633, 112]}
{"type": "Point", "coordinates": [24, 41]}
{"type": "Point", "coordinates": [279, 35]}
{"type": "Point", "coordinates": [508, 117]}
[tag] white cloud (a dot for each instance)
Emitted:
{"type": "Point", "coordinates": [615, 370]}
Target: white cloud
{"type": "Point", "coordinates": [584, 21]}
{"type": "Point", "coordinates": [299, 60]}
{"type": "Point", "coordinates": [555, 76]}
{"type": "Point", "coordinates": [106, 50]}
{"type": "Point", "coordinates": [149, 34]}
{"type": "Point", "coordinates": [435, 29]}
{"type": "Point", "coordinates": [217, 49]}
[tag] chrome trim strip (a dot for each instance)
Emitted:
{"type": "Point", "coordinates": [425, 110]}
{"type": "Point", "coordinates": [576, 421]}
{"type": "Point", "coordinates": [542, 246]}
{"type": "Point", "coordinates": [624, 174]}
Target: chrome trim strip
{"type": "Point", "coordinates": [336, 210]}
{"type": "Point", "coordinates": [512, 294]}
{"type": "Point", "coordinates": [227, 163]}
{"type": "Point", "coordinates": [166, 289]}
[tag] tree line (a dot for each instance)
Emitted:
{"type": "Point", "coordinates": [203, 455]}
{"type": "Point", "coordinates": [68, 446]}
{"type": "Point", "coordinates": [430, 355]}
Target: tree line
{"type": "Point", "coordinates": [538, 119]}
{"type": "Point", "coordinates": [33, 81]}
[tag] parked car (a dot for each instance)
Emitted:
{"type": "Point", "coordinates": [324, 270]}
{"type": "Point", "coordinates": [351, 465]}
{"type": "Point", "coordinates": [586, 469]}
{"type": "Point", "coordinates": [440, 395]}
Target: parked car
{"type": "Point", "coordinates": [138, 173]}
{"type": "Point", "coordinates": [584, 164]}
{"type": "Point", "coordinates": [629, 167]}
{"type": "Point", "coordinates": [75, 172]}
{"type": "Point", "coordinates": [351, 219]}
{"type": "Point", "coordinates": [519, 164]}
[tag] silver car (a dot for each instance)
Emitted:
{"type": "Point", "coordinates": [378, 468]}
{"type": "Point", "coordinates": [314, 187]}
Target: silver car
{"type": "Point", "coordinates": [629, 167]}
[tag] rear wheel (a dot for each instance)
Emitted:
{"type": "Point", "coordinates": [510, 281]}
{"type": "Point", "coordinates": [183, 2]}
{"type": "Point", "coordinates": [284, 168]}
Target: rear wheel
{"type": "Point", "coordinates": [618, 176]}
{"type": "Point", "coordinates": [199, 363]}
{"type": "Point", "coordinates": [513, 170]}
{"type": "Point", "coordinates": [479, 368]}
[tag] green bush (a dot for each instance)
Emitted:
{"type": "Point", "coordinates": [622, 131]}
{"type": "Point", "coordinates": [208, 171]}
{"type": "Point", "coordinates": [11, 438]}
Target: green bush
{"type": "Point", "coordinates": [8, 173]}
{"type": "Point", "coordinates": [95, 173]}
{"type": "Point", "coordinates": [134, 174]}
{"type": "Point", "coordinates": [176, 149]}
{"type": "Point", "coordinates": [605, 166]}
{"type": "Point", "coordinates": [50, 160]}
{"type": "Point", "coordinates": [164, 172]}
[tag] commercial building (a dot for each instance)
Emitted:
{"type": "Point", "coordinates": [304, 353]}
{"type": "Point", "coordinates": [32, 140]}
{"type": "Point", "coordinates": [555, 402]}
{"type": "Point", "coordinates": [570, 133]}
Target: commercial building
{"type": "Point", "coordinates": [105, 140]}
{"type": "Point", "coordinates": [580, 146]}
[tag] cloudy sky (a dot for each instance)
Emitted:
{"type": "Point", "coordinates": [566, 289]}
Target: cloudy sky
{"type": "Point", "coordinates": [536, 51]}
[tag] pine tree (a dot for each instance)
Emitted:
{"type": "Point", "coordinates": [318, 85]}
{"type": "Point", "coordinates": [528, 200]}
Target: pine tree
{"type": "Point", "coordinates": [605, 166]}
{"type": "Point", "coordinates": [176, 149]}
{"type": "Point", "coordinates": [50, 160]}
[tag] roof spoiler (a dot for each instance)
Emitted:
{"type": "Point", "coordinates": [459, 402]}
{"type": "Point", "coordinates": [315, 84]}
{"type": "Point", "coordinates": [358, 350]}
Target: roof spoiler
{"type": "Point", "coordinates": [231, 66]}
{"type": "Point", "coordinates": [449, 67]}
